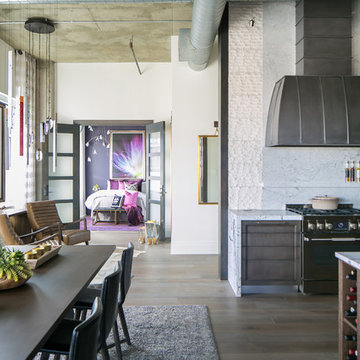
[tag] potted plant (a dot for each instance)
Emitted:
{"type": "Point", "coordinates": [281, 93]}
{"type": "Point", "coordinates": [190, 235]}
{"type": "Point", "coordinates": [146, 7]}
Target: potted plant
{"type": "Point", "coordinates": [96, 187]}
{"type": "Point", "coordinates": [14, 271]}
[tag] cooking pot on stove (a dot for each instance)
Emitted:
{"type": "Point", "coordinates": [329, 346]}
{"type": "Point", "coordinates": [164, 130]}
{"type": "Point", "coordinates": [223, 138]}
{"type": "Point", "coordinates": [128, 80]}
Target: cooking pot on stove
{"type": "Point", "coordinates": [324, 202]}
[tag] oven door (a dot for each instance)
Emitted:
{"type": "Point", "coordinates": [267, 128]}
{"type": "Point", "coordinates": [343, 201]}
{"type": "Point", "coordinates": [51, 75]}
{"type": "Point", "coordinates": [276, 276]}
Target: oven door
{"type": "Point", "coordinates": [318, 256]}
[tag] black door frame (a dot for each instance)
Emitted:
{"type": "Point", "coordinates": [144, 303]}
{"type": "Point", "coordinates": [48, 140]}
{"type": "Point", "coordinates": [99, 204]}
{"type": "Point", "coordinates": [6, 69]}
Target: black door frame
{"type": "Point", "coordinates": [74, 130]}
{"type": "Point", "coordinates": [223, 39]}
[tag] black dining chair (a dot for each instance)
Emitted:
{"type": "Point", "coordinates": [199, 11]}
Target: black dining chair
{"type": "Point", "coordinates": [59, 342]}
{"type": "Point", "coordinates": [83, 344]}
{"type": "Point", "coordinates": [88, 295]}
{"type": "Point", "coordinates": [83, 338]}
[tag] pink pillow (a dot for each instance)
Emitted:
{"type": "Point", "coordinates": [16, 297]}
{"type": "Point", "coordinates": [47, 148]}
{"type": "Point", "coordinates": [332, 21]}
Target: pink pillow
{"type": "Point", "coordinates": [114, 184]}
{"type": "Point", "coordinates": [130, 198]}
{"type": "Point", "coordinates": [121, 185]}
{"type": "Point", "coordinates": [137, 182]}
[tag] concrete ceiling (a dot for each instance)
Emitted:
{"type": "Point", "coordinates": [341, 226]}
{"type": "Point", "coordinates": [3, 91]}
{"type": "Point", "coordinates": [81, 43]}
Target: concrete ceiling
{"type": "Point", "coordinates": [98, 31]}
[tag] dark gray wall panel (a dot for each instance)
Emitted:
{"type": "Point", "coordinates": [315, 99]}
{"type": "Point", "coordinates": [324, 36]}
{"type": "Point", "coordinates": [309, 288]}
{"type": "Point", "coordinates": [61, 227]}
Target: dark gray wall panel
{"type": "Point", "coordinates": [352, 86]}
{"type": "Point", "coordinates": [327, 8]}
{"type": "Point", "coordinates": [324, 66]}
{"type": "Point", "coordinates": [328, 27]}
{"type": "Point", "coordinates": [289, 120]}
{"type": "Point", "coordinates": [299, 14]}
{"type": "Point", "coordinates": [323, 37]}
{"type": "Point", "coordinates": [327, 47]}
{"type": "Point", "coordinates": [334, 110]}
{"type": "Point", "coordinates": [312, 130]}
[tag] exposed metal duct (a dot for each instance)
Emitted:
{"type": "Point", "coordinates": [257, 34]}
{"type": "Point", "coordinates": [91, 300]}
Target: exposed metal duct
{"type": "Point", "coordinates": [196, 48]}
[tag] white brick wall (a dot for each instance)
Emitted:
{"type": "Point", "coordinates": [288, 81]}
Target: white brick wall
{"type": "Point", "coordinates": [245, 106]}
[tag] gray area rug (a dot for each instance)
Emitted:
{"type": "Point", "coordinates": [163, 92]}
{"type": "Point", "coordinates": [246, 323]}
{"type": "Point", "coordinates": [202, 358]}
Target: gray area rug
{"type": "Point", "coordinates": [167, 333]}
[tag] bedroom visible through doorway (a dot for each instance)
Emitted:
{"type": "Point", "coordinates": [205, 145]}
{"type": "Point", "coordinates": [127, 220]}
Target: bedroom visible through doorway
{"type": "Point", "coordinates": [114, 169]}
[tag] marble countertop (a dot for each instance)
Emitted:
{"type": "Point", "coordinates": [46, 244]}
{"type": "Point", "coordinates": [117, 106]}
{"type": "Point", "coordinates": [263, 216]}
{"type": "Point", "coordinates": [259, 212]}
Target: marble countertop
{"type": "Point", "coordinates": [266, 215]}
{"type": "Point", "coordinates": [351, 258]}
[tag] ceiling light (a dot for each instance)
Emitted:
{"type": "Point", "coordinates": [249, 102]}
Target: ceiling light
{"type": "Point", "coordinates": [43, 26]}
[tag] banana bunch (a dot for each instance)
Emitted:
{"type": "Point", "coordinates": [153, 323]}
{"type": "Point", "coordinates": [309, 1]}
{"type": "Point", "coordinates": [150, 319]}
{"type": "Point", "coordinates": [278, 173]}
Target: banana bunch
{"type": "Point", "coordinates": [13, 265]}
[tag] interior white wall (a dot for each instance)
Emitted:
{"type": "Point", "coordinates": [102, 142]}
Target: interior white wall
{"type": "Point", "coordinates": [116, 91]}
{"type": "Point", "coordinates": [195, 108]}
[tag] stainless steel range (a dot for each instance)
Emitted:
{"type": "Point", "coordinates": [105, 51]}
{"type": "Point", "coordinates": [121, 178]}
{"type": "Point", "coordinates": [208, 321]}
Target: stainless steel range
{"type": "Point", "coordinates": [323, 233]}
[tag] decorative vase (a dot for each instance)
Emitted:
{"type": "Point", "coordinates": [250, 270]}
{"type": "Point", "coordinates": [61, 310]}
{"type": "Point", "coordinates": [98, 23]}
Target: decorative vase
{"type": "Point", "coordinates": [10, 284]}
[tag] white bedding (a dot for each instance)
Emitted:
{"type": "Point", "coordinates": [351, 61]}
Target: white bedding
{"type": "Point", "coordinates": [104, 198]}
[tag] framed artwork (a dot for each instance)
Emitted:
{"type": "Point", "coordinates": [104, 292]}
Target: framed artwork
{"type": "Point", "coordinates": [127, 154]}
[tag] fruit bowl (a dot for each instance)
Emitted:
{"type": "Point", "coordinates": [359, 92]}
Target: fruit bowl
{"type": "Point", "coordinates": [10, 283]}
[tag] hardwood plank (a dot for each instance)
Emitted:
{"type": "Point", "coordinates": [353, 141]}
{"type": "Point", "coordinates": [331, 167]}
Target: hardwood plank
{"type": "Point", "coordinates": [256, 326]}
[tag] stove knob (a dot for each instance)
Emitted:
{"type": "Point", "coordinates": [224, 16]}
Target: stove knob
{"type": "Point", "coordinates": [328, 226]}
{"type": "Point", "coordinates": [320, 225]}
{"type": "Point", "coordinates": [352, 226]}
{"type": "Point", "coordinates": [311, 226]}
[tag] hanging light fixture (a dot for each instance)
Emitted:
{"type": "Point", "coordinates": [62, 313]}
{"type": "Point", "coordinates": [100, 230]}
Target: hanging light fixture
{"type": "Point", "coordinates": [97, 139]}
{"type": "Point", "coordinates": [43, 26]}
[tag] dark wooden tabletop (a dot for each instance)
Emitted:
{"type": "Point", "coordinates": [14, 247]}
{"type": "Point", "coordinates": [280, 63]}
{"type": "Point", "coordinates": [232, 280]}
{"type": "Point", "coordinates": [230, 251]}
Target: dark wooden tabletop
{"type": "Point", "coordinates": [29, 314]}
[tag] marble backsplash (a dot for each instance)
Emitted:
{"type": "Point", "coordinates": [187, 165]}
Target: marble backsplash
{"type": "Point", "coordinates": [295, 175]}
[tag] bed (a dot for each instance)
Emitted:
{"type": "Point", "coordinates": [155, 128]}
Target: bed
{"type": "Point", "coordinates": [104, 199]}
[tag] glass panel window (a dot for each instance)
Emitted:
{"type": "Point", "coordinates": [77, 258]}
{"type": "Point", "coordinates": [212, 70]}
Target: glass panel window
{"type": "Point", "coordinates": [64, 166]}
{"type": "Point", "coordinates": [155, 166]}
{"type": "Point", "coordinates": [155, 142]}
{"type": "Point", "coordinates": [64, 143]}
{"type": "Point", "coordinates": [60, 189]}
{"type": "Point", "coordinates": [155, 190]}
{"type": "Point", "coordinates": [65, 211]}
{"type": "Point", "coordinates": [155, 212]}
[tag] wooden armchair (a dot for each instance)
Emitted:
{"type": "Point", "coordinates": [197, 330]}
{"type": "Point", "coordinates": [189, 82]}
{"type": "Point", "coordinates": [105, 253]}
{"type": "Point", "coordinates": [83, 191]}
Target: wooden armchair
{"type": "Point", "coordinates": [9, 236]}
{"type": "Point", "coordinates": [43, 214]}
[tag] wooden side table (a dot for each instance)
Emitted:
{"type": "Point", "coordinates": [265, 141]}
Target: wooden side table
{"type": "Point", "coordinates": [116, 212]}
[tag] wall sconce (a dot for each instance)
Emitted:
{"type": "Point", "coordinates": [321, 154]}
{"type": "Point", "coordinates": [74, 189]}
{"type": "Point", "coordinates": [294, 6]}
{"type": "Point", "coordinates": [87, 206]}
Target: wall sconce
{"type": "Point", "coordinates": [252, 22]}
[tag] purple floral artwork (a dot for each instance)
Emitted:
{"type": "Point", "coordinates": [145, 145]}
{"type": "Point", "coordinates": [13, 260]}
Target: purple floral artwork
{"type": "Point", "coordinates": [127, 155]}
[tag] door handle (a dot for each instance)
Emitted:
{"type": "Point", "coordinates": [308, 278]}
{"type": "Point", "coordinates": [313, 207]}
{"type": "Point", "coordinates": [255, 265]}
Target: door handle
{"type": "Point", "coordinates": [162, 190]}
{"type": "Point", "coordinates": [46, 190]}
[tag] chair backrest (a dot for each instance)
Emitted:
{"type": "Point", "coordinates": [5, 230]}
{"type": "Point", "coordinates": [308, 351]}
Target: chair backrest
{"type": "Point", "coordinates": [85, 336]}
{"type": "Point", "coordinates": [126, 266]}
{"type": "Point", "coordinates": [42, 214]}
{"type": "Point", "coordinates": [7, 232]}
{"type": "Point", "coordinates": [109, 298]}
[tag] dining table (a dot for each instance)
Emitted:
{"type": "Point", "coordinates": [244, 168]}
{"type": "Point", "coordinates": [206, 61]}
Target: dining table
{"type": "Point", "coordinates": [30, 313]}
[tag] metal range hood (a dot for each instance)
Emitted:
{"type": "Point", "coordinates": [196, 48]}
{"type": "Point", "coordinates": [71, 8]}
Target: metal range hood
{"type": "Point", "coordinates": [315, 111]}
{"type": "Point", "coordinates": [320, 106]}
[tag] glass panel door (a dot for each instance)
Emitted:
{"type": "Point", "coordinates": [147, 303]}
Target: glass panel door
{"type": "Point", "coordinates": [155, 175]}
{"type": "Point", "coordinates": [63, 183]}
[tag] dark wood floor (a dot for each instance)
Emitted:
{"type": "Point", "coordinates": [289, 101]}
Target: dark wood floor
{"type": "Point", "coordinates": [262, 326]}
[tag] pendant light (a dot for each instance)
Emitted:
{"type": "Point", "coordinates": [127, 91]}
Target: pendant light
{"type": "Point", "coordinates": [43, 27]}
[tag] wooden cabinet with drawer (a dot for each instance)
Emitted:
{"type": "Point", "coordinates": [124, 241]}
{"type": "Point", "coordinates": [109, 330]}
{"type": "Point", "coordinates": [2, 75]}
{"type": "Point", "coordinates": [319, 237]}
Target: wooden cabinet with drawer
{"type": "Point", "coordinates": [270, 253]}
